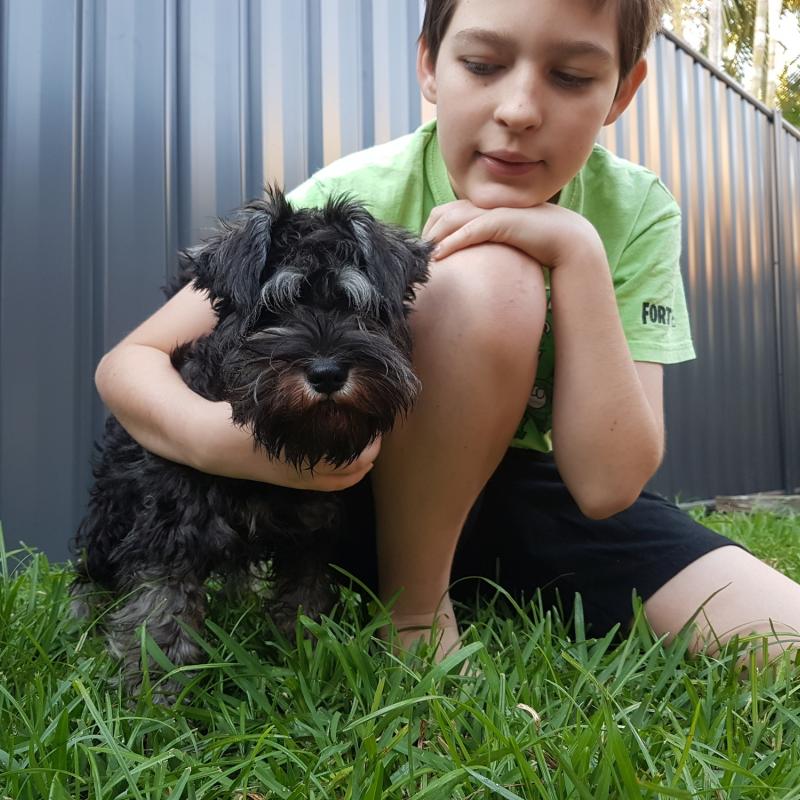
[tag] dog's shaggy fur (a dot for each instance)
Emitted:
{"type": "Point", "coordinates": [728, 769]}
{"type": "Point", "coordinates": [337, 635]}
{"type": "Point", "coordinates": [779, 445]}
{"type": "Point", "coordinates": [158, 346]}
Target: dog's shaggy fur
{"type": "Point", "coordinates": [312, 349]}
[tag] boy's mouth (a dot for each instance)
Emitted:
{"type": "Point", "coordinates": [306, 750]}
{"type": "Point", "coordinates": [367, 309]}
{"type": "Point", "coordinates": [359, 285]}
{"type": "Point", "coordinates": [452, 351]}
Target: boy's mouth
{"type": "Point", "coordinates": [507, 163]}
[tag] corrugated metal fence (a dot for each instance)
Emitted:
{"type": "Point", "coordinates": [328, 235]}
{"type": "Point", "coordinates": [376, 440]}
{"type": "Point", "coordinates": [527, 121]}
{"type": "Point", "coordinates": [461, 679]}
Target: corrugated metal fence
{"type": "Point", "coordinates": [127, 126]}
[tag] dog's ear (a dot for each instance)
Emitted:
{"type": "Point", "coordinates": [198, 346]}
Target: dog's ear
{"type": "Point", "coordinates": [413, 257]}
{"type": "Point", "coordinates": [396, 260]}
{"type": "Point", "coordinates": [230, 264]}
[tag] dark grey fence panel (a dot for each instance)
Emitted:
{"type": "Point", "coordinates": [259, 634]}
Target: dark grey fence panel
{"type": "Point", "coordinates": [127, 126]}
{"type": "Point", "coordinates": [45, 288]}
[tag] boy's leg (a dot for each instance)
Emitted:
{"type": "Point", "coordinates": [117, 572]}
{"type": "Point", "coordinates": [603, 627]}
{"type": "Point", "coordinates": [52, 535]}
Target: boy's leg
{"type": "Point", "coordinates": [729, 592]}
{"type": "Point", "coordinates": [682, 571]}
{"type": "Point", "coordinates": [477, 326]}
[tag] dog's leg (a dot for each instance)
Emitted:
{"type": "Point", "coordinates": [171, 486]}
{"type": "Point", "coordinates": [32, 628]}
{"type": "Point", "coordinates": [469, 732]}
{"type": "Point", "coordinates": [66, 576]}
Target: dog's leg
{"type": "Point", "coordinates": [161, 604]}
{"type": "Point", "coordinates": [84, 595]}
{"type": "Point", "coordinates": [301, 582]}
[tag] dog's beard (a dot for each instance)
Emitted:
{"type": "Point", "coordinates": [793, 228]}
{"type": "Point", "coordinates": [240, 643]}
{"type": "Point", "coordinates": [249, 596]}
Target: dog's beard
{"type": "Point", "coordinates": [297, 424]}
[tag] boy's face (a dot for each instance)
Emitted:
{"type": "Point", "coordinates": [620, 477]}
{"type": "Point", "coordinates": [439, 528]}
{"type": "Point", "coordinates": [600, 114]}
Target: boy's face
{"type": "Point", "coordinates": [522, 88]}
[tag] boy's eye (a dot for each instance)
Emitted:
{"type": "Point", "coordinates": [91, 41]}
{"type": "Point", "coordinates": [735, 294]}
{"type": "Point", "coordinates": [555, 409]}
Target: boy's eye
{"type": "Point", "coordinates": [569, 81]}
{"type": "Point", "coordinates": [480, 67]}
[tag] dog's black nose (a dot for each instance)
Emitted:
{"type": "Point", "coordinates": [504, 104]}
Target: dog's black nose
{"type": "Point", "coordinates": [326, 375]}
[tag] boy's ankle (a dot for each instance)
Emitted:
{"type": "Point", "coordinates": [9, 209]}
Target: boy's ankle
{"type": "Point", "coordinates": [439, 627]}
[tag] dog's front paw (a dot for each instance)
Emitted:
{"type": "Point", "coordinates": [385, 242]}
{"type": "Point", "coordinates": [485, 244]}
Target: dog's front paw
{"type": "Point", "coordinates": [312, 601]}
{"type": "Point", "coordinates": [83, 602]}
{"type": "Point", "coordinates": [284, 617]}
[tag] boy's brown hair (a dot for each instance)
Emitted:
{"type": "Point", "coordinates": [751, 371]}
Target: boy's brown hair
{"type": "Point", "coordinates": [637, 22]}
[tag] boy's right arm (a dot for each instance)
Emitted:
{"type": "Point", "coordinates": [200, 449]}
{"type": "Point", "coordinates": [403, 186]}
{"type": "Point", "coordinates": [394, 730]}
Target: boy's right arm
{"type": "Point", "coordinates": [138, 383]}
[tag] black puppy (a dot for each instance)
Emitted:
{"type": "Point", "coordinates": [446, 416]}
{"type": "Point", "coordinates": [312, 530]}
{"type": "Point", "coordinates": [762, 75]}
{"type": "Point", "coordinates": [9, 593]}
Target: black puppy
{"type": "Point", "coordinates": [313, 351]}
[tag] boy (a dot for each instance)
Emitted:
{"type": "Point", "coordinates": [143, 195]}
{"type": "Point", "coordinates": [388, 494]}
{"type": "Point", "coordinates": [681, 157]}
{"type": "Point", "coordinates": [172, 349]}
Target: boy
{"type": "Point", "coordinates": [507, 181]}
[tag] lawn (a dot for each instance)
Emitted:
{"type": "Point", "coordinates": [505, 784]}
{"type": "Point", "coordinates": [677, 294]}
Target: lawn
{"type": "Point", "coordinates": [550, 714]}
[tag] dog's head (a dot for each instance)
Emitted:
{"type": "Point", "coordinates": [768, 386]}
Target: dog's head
{"type": "Point", "coordinates": [313, 319]}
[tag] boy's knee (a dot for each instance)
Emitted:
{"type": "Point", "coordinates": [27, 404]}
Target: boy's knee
{"type": "Point", "coordinates": [494, 292]}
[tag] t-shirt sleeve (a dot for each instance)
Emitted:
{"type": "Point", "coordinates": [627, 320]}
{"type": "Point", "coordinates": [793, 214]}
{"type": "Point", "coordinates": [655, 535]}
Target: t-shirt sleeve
{"type": "Point", "coordinates": [649, 286]}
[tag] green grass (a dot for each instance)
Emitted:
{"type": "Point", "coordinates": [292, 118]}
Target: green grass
{"type": "Point", "coordinates": [266, 718]}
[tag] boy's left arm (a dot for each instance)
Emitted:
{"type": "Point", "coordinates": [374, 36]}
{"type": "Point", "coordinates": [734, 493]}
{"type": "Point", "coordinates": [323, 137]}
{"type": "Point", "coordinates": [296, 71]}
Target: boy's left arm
{"type": "Point", "coordinates": [608, 429]}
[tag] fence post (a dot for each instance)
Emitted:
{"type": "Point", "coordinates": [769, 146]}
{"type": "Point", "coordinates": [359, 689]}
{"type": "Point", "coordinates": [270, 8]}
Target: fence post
{"type": "Point", "coordinates": [777, 250]}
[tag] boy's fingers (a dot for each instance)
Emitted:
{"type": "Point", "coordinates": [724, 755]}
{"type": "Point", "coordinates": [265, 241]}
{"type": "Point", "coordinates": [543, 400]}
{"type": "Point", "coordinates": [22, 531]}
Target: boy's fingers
{"type": "Point", "coordinates": [437, 228]}
{"type": "Point", "coordinates": [465, 236]}
{"type": "Point", "coordinates": [447, 226]}
{"type": "Point", "coordinates": [362, 463]}
{"type": "Point", "coordinates": [447, 218]}
{"type": "Point", "coordinates": [432, 219]}
{"type": "Point", "coordinates": [370, 452]}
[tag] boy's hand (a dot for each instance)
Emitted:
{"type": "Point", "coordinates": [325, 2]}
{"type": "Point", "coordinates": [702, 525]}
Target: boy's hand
{"type": "Point", "coordinates": [328, 478]}
{"type": "Point", "coordinates": [228, 450]}
{"type": "Point", "coordinates": [547, 233]}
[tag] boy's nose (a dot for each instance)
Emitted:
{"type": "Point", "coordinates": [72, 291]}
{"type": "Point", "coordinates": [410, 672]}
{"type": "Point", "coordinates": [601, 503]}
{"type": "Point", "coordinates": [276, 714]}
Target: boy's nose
{"type": "Point", "coordinates": [521, 109]}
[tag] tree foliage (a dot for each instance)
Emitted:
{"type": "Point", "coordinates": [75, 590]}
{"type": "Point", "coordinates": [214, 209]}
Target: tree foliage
{"type": "Point", "coordinates": [739, 20]}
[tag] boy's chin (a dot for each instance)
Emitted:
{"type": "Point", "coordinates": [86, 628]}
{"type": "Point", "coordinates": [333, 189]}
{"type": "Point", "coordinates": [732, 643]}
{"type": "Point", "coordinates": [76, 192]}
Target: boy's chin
{"type": "Point", "coordinates": [495, 196]}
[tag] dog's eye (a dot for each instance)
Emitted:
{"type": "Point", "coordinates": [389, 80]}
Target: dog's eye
{"type": "Point", "coordinates": [359, 292]}
{"type": "Point", "coordinates": [283, 289]}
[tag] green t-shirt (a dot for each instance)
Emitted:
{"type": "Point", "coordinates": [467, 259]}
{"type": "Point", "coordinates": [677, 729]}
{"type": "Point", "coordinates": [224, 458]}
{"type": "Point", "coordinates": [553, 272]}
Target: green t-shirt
{"type": "Point", "coordinates": [637, 218]}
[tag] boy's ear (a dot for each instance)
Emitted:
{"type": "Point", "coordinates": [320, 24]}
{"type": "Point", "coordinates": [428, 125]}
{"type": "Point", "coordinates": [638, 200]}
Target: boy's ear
{"type": "Point", "coordinates": [426, 71]}
{"type": "Point", "coordinates": [627, 90]}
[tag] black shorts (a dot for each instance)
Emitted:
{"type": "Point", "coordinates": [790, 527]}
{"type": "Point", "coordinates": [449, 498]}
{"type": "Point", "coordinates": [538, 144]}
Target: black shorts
{"type": "Point", "coordinates": [526, 533]}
